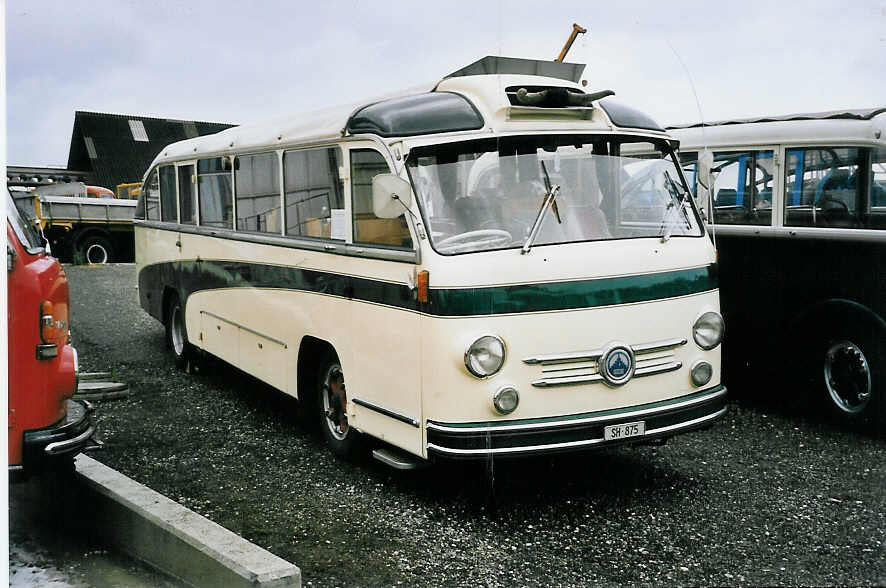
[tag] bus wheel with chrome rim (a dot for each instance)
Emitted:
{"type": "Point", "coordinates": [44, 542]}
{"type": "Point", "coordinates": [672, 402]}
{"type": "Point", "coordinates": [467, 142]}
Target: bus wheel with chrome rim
{"type": "Point", "coordinates": [850, 370]}
{"type": "Point", "coordinates": [332, 407]}
{"type": "Point", "coordinates": [176, 335]}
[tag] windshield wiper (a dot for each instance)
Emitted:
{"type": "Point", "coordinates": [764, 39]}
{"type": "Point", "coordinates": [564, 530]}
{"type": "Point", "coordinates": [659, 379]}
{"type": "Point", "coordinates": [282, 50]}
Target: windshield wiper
{"type": "Point", "coordinates": [678, 196]}
{"type": "Point", "coordinates": [548, 202]}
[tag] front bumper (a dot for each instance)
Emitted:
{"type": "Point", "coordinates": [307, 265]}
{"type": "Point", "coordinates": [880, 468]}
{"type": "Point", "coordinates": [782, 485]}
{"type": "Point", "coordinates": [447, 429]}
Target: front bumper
{"type": "Point", "coordinates": [71, 435]}
{"type": "Point", "coordinates": [575, 432]}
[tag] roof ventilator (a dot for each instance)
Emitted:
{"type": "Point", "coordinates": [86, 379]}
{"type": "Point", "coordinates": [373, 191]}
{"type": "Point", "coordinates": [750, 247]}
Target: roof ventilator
{"type": "Point", "coordinates": [543, 102]}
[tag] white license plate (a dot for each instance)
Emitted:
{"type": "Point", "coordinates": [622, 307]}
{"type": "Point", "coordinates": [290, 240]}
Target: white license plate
{"type": "Point", "coordinates": [623, 431]}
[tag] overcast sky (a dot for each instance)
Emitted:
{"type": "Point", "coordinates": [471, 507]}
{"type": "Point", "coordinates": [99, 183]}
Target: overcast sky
{"type": "Point", "coordinates": [238, 62]}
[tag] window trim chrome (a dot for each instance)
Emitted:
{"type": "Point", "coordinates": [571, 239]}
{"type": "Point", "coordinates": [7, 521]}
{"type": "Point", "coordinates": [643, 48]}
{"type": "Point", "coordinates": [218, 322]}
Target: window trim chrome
{"type": "Point", "coordinates": [273, 239]}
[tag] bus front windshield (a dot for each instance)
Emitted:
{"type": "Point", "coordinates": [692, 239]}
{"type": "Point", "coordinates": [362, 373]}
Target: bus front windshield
{"type": "Point", "coordinates": [489, 194]}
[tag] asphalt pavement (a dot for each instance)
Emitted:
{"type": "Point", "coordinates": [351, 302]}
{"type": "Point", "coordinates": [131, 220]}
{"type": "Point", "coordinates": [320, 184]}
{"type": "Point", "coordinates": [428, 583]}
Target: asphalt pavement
{"type": "Point", "coordinates": [765, 497]}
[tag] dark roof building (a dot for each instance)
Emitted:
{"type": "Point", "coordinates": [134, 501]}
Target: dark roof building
{"type": "Point", "coordinates": [117, 148]}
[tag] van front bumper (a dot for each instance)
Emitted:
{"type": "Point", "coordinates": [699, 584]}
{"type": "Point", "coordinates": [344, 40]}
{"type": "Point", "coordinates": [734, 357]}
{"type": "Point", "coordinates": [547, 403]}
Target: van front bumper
{"type": "Point", "coordinates": [575, 432]}
{"type": "Point", "coordinates": [69, 436]}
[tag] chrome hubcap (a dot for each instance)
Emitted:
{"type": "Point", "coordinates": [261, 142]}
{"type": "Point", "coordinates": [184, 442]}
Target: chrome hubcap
{"type": "Point", "coordinates": [847, 376]}
{"type": "Point", "coordinates": [332, 406]}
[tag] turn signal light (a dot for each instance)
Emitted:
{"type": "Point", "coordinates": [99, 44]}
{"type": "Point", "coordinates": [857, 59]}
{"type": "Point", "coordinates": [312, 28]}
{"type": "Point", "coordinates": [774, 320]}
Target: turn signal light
{"type": "Point", "coordinates": [49, 329]}
{"type": "Point", "coordinates": [422, 286]}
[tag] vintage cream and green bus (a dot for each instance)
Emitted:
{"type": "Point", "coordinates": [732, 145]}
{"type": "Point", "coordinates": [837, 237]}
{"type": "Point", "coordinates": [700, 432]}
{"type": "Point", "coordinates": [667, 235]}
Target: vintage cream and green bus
{"type": "Point", "coordinates": [472, 271]}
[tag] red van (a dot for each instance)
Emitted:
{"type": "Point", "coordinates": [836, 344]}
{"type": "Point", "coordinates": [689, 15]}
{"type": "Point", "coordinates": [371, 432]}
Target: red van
{"type": "Point", "coordinates": [46, 427]}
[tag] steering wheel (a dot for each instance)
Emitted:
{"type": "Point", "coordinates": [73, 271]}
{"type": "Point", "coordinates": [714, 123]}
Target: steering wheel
{"type": "Point", "coordinates": [492, 235]}
{"type": "Point", "coordinates": [831, 200]}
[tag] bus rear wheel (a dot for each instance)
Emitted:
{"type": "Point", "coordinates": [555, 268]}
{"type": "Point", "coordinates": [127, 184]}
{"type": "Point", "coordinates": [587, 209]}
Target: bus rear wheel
{"type": "Point", "coordinates": [341, 438]}
{"type": "Point", "coordinates": [176, 334]}
{"type": "Point", "coordinates": [850, 372]}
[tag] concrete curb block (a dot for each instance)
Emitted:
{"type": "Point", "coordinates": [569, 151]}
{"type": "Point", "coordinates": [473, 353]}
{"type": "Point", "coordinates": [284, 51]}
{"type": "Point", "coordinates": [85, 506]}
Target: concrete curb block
{"type": "Point", "coordinates": [172, 538]}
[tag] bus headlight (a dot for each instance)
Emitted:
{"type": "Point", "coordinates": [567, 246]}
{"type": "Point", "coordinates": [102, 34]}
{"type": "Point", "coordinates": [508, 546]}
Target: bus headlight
{"type": "Point", "coordinates": [708, 330]}
{"type": "Point", "coordinates": [485, 356]}
{"type": "Point", "coordinates": [506, 399]}
{"type": "Point", "coordinates": [701, 373]}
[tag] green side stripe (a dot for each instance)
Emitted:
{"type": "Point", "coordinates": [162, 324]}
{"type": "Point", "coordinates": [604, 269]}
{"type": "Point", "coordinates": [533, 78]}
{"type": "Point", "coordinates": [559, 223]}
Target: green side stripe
{"type": "Point", "coordinates": [571, 295]}
{"type": "Point", "coordinates": [192, 276]}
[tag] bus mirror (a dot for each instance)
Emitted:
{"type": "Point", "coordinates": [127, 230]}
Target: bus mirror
{"type": "Point", "coordinates": [705, 163]}
{"type": "Point", "coordinates": [391, 196]}
{"type": "Point", "coordinates": [704, 181]}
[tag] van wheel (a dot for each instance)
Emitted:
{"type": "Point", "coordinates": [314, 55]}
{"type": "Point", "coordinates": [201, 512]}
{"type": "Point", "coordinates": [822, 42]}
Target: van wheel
{"type": "Point", "coordinates": [332, 408]}
{"type": "Point", "coordinates": [850, 373]}
{"type": "Point", "coordinates": [96, 250]}
{"type": "Point", "coordinates": [176, 335]}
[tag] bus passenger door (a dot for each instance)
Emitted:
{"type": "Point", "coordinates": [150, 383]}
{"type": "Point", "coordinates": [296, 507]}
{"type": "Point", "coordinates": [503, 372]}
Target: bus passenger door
{"type": "Point", "coordinates": [384, 383]}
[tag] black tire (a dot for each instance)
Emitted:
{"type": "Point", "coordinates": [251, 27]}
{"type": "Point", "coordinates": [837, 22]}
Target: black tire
{"type": "Point", "coordinates": [342, 439]}
{"type": "Point", "coordinates": [847, 367]}
{"type": "Point", "coordinates": [176, 333]}
{"type": "Point", "coordinates": [96, 250]}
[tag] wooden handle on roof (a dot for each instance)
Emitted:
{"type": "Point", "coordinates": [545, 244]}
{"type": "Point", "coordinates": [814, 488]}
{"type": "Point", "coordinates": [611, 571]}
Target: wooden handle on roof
{"type": "Point", "coordinates": [576, 30]}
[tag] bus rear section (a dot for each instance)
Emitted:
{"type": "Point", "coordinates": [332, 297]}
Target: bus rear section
{"type": "Point", "coordinates": [799, 212]}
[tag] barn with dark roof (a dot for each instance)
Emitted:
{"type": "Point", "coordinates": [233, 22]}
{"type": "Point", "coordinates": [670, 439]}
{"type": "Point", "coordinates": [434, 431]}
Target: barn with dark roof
{"type": "Point", "coordinates": [117, 148]}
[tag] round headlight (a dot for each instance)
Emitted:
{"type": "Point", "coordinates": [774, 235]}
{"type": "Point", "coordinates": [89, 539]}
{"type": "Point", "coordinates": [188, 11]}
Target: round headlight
{"type": "Point", "coordinates": [708, 330]}
{"type": "Point", "coordinates": [485, 356]}
{"type": "Point", "coordinates": [506, 400]}
{"type": "Point", "coordinates": [701, 373]}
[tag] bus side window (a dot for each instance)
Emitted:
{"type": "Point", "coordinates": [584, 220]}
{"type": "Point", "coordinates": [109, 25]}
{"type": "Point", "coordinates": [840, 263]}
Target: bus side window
{"type": "Point", "coordinates": [314, 198]}
{"type": "Point", "coordinates": [214, 190]}
{"type": "Point", "coordinates": [149, 203]}
{"type": "Point", "coordinates": [877, 217]}
{"type": "Point", "coordinates": [257, 181]}
{"type": "Point", "coordinates": [168, 206]}
{"type": "Point", "coordinates": [368, 228]}
{"type": "Point", "coordinates": [187, 211]}
{"type": "Point", "coordinates": [821, 187]}
{"type": "Point", "coordinates": [688, 161]}
{"type": "Point", "coordinates": [743, 187]}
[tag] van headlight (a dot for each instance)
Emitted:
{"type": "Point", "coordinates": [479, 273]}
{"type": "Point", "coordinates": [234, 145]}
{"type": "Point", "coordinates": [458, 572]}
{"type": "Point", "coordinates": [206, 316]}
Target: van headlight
{"type": "Point", "coordinates": [485, 356]}
{"type": "Point", "coordinates": [708, 330]}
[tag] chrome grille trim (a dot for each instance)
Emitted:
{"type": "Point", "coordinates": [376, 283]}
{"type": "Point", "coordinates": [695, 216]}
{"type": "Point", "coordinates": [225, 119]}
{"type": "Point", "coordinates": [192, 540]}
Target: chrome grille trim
{"type": "Point", "coordinates": [658, 346]}
{"type": "Point", "coordinates": [565, 357]}
{"type": "Point", "coordinates": [663, 362]}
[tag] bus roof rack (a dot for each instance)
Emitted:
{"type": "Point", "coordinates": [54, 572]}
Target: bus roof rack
{"type": "Point", "coordinates": [850, 114]}
{"type": "Point", "coordinates": [494, 64]}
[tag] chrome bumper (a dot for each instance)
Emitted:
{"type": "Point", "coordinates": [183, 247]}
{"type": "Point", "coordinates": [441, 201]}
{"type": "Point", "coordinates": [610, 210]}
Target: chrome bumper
{"type": "Point", "coordinates": [575, 432]}
{"type": "Point", "coordinates": [73, 434]}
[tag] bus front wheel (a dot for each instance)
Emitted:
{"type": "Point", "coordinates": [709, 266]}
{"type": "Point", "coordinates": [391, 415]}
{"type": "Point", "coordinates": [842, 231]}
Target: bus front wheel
{"type": "Point", "coordinates": [332, 408]}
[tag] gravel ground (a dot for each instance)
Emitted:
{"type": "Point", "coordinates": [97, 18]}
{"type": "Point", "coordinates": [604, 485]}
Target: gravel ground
{"type": "Point", "coordinates": [759, 499]}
